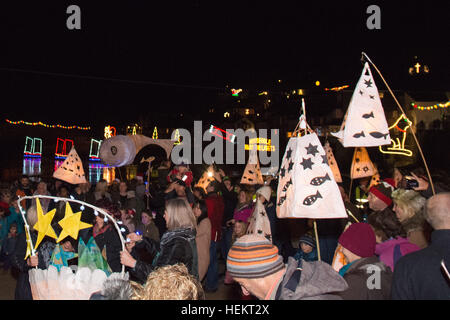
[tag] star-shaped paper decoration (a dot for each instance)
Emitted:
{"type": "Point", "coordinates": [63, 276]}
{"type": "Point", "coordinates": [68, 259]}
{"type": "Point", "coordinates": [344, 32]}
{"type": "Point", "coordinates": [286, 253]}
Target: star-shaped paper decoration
{"type": "Point", "coordinates": [291, 165]}
{"type": "Point", "coordinates": [307, 163]}
{"type": "Point", "coordinates": [310, 149]}
{"type": "Point", "coordinates": [324, 159]}
{"type": "Point", "coordinates": [43, 225]}
{"type": "Point", "coordinates": [71, 224]}
{"type": "Point", "coordinates": [289, 153]}
{"type": "Point", "coordinates": [368, 83]}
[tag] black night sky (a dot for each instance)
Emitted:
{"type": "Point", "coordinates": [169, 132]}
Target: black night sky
{"type": "Point", "coordinates": [136, 57]}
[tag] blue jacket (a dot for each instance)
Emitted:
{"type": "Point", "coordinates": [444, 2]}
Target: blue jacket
{"type": "Point", "coordinates": [312, 256]}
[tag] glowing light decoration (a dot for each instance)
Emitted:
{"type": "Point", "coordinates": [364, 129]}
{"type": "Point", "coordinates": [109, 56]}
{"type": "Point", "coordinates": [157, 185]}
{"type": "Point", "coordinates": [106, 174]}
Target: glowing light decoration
{"type": "Point", "coordinates": [261, 144]}
{"type": "Point", "coordinates": [433, 107]}
{"type": "Point", "coordinates": [53, 126]}
{"type": "Point", "coordinates": [62, 145]}
{"type": "Point", "coordinates": [155, 133]}
{"type": "Point", "coordinates": [337, 88]}
{"type": "Point", "coordinates": [33, 147]}
{"type": "Point", "coordinates": [95, 145]}
{"type": "Point", "coordinates": [134, 129]}
{"type": "Point", "coordinates": [235, 92]}
{"type": "Point", "coordinates": [31, 166]}
{"type": "Point", "coordinates": [226, 136]}
{"type": "Point", "coordinates": [109, 132]}
{"type": "Point", "coordinates": [177, 137]}
{"type": "Point", "coordinates": [397, 145]}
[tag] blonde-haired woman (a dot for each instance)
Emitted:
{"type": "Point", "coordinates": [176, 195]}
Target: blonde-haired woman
{"type": "Point", "coordinates": [177, 243]}
{"type": "Point", "coordinates": [172, 282]}
{"type": "Point", "coordinates": [408, 207]}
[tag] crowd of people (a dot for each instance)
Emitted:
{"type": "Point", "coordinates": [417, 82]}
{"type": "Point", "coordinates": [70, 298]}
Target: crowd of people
{"type": "Point", "coordinates": [394, 243]}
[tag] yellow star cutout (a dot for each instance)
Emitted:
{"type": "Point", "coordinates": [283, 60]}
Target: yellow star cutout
{"type": "Point", "coordinates": [71, 224]}
{"type": "Point", "coordinates": [43, 226]}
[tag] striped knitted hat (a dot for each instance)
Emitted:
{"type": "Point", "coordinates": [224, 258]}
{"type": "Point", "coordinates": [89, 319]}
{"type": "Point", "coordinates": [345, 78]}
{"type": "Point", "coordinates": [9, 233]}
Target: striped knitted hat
{"type": "Point", "coordinates": [253, 256]}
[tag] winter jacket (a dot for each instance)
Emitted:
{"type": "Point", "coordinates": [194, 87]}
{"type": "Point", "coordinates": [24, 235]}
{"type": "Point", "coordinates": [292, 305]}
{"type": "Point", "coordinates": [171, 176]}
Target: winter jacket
{"type": "Point", "coordinates": [215, 206]}
{"type": "Point", "coordinates": [364, 281]}
{"type": "Point", "coordinates": [149, 231]}
{"type": "Point", "coordinates": [230, 201]}
{"type": "Point", "coordinates": [203, 241]}
{"type": "Point", "coordinates": [311, 256]}
{"type": "Point", "coordinates": [45, 250]}
{"type": "Point", "coordinates": [176, 246]}
{"type": "Point", "coordinates": [312, 281]}
{"type": "Point", "coordinates": [419, 276]}
{"type": "Point", "coordinates": [391, 250]}
{"type": "Point", "coordinates": [243, 213]}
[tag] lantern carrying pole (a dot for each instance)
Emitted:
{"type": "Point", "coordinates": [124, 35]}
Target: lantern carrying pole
{"type": "Point", "coordinates": [317, 239]}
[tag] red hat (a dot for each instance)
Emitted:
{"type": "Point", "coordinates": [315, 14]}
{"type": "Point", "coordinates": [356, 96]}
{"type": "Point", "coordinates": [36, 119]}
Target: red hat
{"type": "Point", "coordinates": [359, 239]}
{"type": "Point", "coordinates": [383, 191]}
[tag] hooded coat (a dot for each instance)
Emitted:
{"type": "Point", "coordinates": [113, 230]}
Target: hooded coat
{"type": "Point", "coordinates": [318, 281]}
{"type": "Point", "coordinates": [364, 283]}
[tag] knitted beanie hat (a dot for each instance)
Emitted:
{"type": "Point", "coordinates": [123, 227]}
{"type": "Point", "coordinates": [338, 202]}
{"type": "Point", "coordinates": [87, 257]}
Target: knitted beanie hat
{"type": "Point", "coordinates": [253, 256]}
{"type": "Point", "coordinates": [359, 238]}
{"type": "Point", "coordinates": [383, 191]}
{"type": "Point", "coordinates": [308, 239]}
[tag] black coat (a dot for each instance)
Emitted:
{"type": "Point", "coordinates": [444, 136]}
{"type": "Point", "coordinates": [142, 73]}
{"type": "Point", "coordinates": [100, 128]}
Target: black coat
{"type": "Point", "coordinates": [418, 275]}
{"type": "Point", "coordinates": [45, 250]}
{"type": "Point", "coordinates": [230, 199]}
{"type": "Point", "coordinates": [176, 246]}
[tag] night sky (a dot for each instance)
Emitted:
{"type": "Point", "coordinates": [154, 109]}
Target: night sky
{"type": "Point", "coordinates": [135, 57]}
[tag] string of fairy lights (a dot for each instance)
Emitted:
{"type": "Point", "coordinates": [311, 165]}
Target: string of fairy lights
{"type": "Point", "coordinates": [53, 126]}
{"type": "Point", "coordinates": [433, 107]}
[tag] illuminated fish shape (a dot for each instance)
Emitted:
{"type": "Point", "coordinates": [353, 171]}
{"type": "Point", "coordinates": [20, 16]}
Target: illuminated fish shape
{"type": "Point", "coordinates": [368, 115]}
{"type": "Point", "coordinates": [378, 135]}
{"type": "Point", "coordinates": [359, 135]}
{"type": "Point", "coordinates": [309, 200]}
{"type": "Point", "coordinates": [317, 181]}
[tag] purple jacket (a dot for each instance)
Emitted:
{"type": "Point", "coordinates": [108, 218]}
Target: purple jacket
{"type": "Point", "coordinates": [391, 250]}
{"type": "Point", "coordinates": [243, 213]}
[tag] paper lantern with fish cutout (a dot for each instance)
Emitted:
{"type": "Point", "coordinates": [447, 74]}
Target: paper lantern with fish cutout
{"type": "Point", "coordinates": [364, 123]}
{"type": "Point", "coordinates": [71, 170]}
{"type": "Point", "coordinates": [332, 162]}
{"type": "Point", "coordinates": [252, 173]}
{"type": "Point", "coordinates": [306, 187]}
{"type": "Point", "coordinates": [362, 166]}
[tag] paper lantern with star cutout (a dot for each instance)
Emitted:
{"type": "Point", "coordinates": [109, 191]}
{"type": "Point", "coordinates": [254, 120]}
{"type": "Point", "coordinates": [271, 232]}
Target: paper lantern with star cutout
{"type": "Point", "coordinates": [206, 178]}
{"type": "Point", "coordinates": [362, 166]}
{"type": "Point", "coordinates": [306, 187]}
{"type": "Point", "coordinates": [332, 162]}
{"type": "Point", "coordinates": [364, 123]}
{"type": "Point", "coordinates": [259, 222]}
{"type": "Point", "coordinates": [252, 173]}
{"type": "Point", "coordinates": [71, 170]}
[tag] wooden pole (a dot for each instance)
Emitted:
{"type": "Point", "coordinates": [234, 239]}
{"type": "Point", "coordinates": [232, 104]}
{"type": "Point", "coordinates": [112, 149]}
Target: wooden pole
{"type": "Point", "coordinates": [317, 239]}
{"type": "Point", "coordinates": [403, 112]}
